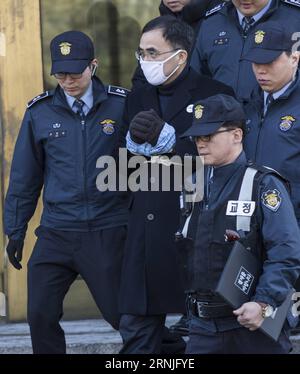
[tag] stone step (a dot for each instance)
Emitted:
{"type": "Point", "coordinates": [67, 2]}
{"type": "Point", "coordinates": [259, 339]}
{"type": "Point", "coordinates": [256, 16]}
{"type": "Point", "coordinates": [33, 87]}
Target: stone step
{"type": "Point", "coordinates": [82, 337]}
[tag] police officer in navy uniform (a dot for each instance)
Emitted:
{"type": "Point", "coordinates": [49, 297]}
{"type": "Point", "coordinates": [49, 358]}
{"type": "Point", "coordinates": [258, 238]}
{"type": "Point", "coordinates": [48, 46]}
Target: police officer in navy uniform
{"type": "Point", "coordinates": [154, 117]}
{"type": "Point", "coordinates": [273, 114]}
{"type": "Point", "coordinates": [273, 236]}
{"type": "Point", "coordinates": [82, 230]}
{"type": "Point", "coordinates": [225, 36]}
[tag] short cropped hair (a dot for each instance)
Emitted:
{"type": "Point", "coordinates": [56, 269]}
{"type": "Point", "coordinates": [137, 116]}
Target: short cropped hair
{"type": "Point", "coordinates": [235, 125]}
{"type": "Point", "coordinates": [178, 33]}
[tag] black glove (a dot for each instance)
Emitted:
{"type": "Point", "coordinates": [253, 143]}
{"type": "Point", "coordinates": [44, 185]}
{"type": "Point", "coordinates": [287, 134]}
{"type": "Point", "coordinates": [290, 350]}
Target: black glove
{"type": "Point", "coordinates": [146, 126]}
{"type": "Point", "coordinates": [15, 247]}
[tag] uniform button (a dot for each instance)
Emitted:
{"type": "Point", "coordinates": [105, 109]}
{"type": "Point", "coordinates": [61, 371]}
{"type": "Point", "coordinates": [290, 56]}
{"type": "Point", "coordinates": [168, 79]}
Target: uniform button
{"type": "Point", "coordinates": [150, 217]}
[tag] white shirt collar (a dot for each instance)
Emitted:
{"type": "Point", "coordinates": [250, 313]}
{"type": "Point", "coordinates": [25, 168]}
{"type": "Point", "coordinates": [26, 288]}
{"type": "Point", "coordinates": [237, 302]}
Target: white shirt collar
{"type": "Point", "coordinates": [256, 16]}
{"type": "Point", "coordinates": [87, 98]}
{"type": "Point", "coordinates": [277, 93]}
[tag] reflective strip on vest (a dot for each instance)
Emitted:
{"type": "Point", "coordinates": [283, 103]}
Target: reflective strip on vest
{"type": "Point", "coordinates": [243, 222]}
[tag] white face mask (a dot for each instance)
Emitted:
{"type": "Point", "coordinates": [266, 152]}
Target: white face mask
{"type": "Point", "coordinates": [154, 70]}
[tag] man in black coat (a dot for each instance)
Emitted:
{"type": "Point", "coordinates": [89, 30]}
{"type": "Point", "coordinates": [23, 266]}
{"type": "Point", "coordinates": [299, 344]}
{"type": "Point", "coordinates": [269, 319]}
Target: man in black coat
{"type": "Point", "coordinates": [155, 116]}
{"type": "Point", "coordinates": [189, 11]}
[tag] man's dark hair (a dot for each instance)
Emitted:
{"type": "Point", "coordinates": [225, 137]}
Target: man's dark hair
{"type": "Point", "coordinates": [235, 125]}
{"type": "Point", "coordinates": [178, 33]}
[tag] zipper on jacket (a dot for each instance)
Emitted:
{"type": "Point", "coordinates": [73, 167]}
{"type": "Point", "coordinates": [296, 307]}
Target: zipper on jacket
{"type": "Point", "coordinates": [261, 122]}
{"type": "Point", "coordinates": [85, 196]}
{"type": "Point", "coordinates": [208, 184]}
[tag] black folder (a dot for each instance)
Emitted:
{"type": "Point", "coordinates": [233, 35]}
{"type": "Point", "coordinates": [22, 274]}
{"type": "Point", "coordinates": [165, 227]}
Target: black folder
{"type": "Point", "coordinates": [238, 282]}
{"type": "Point", "coordinates": [239, 277]}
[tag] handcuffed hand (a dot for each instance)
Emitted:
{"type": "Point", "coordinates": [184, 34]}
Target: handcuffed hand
{"type": "Point", "coordinates": [145, 127]}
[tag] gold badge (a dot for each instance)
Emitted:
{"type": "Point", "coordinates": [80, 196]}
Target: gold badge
{"type": "Point", "coordinates": [198, 111]}
{"type": "Point", "coordinates": [259, 36]}
{"type": "Point", "coordinates": [271, 199]}
{"type": "Point", "coordinates": [65, 48]}
{"type": "Point", "coordinates": [286, 123]}
{"type": "Point", "coordinates": [107, 122]}
{"type": "Point", "coordinates": [108, 126]}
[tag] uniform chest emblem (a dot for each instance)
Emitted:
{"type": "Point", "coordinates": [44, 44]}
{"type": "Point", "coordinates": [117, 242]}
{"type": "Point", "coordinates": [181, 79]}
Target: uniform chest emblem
{"type": "Point", "coordinates": [65, 48]}
{"type": "Point", "coordinates": [108, 126]}
{"type": "Point", "coordinates": [286, 123]}
{"type": "Point", "coordinates": [259, 36]}
{"type": "Point", "coordinates": [271, 199]}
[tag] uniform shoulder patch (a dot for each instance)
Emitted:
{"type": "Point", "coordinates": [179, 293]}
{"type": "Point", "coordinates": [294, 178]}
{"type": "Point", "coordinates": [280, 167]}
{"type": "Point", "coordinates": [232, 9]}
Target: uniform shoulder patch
{"type": "Point", "coordinates": [271, 199]}
{"type": "Point", "coordinates": [38, 98]}
{"type": "Point", "coordinates": [292, 2]}
{"type": "Point", "coordinates": [215, 9]}
{"type": "Point", "coordinates": [119, 91]}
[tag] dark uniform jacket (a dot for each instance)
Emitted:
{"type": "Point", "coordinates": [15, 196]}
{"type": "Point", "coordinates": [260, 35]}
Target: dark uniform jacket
{"type": "Point", "coordinates": [150, 278]}
{"type": "Point", "coordinates": [55, 150]}
{"type": "Point", "coordinates": [193, 12]}
{"type": "Point", "coordinates": [221, 44]}
{"type": "Point", "coordinates": [273, 140]}
{"type": "Point", "coordinates": [274, 239]}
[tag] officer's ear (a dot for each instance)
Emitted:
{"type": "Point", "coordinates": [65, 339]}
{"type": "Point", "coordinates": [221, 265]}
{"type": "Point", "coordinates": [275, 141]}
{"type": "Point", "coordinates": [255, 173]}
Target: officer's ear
{"type": "Point", "coordinates": [238, 135]}
{"type": "Point", "coordinates": [295, 58]}
{"type": "Point", "coordinates": [182, 56]}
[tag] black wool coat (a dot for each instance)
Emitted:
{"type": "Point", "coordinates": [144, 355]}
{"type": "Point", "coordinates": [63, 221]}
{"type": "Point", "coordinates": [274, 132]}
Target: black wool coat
{"type": "Point", "coordinates": [150, 277]}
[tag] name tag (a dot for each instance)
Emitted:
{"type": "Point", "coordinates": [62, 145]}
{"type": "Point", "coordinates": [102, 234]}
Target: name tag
{"type": "Point", "coordinates": [54, 134]}
{"type": "Point", "coordinates": [240, 208]}
{"type": "Point", "coordinates": [221, 41]}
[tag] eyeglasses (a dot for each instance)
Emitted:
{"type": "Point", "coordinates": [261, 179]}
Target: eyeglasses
{"type": "Point", "coordinates": [151, 53]}
{"type": "Point", "coordinates": [207, 138]}
{"type": "Point", "coordinates": [71, 75]}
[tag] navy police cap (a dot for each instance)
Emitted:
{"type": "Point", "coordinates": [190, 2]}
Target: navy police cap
{"type": "Point", "coordinates": [268, 42]}
{"type": "Point", "coordinates": [211, 113]}
{"type": "Point", "coordinates": [71, 52]}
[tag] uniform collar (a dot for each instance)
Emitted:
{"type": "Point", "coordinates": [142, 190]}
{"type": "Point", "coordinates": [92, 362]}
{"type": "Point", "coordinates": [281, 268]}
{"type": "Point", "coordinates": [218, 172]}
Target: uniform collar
{"type": "Point", "coordinates": [277, 94]}
{"type": "Point", "coordinates": [257, 16]}
{"type": "Point", "coordinates": [87, 98]}
{"type": "Point", "coordinates": [240, 160]}
{"type": "Point", "coordinates": [230, 11]}
{"type": "Point", "coordinates": [285, 91]}
{"type": "Point", "coordinates": [99, 93]}
{"type": "Point", "coordinates": [223, 174]}
{"type": "Point", "coordinates": [258, 96]}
